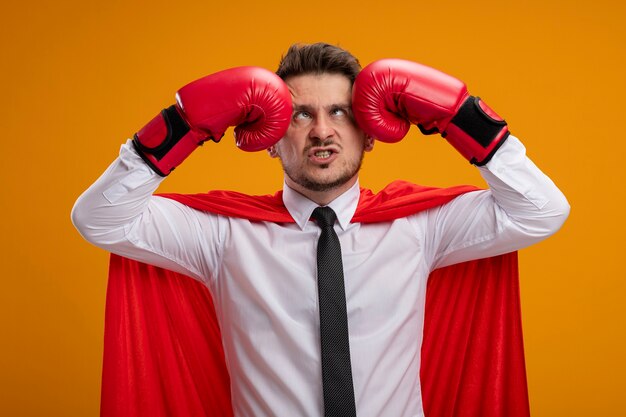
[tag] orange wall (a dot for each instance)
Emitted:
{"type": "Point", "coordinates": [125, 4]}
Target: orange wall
{"type": "Point", "coordinates": [79, 77]}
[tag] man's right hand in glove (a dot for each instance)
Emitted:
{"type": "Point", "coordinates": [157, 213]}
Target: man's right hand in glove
{"type": "Point", "coordinates": [253, 99]}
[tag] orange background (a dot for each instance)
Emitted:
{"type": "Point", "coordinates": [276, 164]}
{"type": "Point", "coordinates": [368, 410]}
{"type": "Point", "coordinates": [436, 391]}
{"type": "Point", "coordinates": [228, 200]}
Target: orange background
{"type": "Point", "coordinates": [79, 77]}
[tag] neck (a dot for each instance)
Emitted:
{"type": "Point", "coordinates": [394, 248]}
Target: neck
{"type": "Point", "coordinates": [322, 198]}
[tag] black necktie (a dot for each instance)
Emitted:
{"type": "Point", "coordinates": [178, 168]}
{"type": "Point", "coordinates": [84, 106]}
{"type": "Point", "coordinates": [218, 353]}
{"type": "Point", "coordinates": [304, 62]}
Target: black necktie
{"type": "Point", "coordinates": [336, 368]}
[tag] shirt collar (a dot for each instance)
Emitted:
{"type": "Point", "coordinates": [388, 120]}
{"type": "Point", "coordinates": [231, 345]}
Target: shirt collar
{"type": "Point", "coordinates": [301, 207]}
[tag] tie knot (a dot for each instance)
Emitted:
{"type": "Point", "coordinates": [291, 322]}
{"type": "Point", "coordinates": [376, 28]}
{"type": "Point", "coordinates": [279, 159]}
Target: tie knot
{"type": "Point", "coordinates": [324, 216]}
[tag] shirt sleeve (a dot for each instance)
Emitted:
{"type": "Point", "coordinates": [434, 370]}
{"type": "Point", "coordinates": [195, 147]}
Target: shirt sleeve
{"type": "Point", "coordinates": [120, 214]}
{"type": "Point", "coordinates": [522, 206]}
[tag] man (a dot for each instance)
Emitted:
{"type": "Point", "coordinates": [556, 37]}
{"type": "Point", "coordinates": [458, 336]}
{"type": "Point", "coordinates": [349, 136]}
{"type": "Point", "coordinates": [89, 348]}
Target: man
{"type": "Point", "coordinates": [263, 275]}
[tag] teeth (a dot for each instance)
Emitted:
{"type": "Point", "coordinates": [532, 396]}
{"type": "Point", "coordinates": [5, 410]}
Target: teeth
{"type": "Point", "coordinates": [323, 154]}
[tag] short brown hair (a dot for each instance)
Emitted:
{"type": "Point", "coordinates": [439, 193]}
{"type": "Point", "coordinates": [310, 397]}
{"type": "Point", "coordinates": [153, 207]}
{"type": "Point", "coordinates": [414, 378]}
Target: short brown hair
{"type": "Point", "coordinates": [318, 58]}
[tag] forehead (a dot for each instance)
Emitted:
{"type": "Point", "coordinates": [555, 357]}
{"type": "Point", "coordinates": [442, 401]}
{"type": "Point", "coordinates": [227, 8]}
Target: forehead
{"type": "Point", "coordinates": [322, 89]}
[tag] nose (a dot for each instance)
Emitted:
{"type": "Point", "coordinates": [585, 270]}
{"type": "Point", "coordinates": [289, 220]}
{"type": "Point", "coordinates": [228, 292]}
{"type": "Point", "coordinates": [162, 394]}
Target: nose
{"type": "Point", "coordinates": [321, 128]}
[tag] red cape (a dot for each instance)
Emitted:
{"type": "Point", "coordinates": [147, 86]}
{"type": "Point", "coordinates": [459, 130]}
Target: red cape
{"type": "Point", "coordinates": [162, 345]}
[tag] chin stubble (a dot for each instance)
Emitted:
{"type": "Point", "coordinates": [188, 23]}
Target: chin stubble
{"type": "Point", "coordinates": [312, 185]}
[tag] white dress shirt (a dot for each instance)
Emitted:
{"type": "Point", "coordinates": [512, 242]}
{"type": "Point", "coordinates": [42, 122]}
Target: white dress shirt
{"type": "Point", "coordinates": [262, 275]}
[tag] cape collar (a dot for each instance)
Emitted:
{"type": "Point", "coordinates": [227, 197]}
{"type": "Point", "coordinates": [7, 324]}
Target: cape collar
{"type": "Point", "coordinates": [396, 200]}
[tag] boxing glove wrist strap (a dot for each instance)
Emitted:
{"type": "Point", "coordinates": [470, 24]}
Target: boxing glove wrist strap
{"type": "Point", "coordinates": [476, 131]}
{"type": "Point", "coordinates": [166, 141]}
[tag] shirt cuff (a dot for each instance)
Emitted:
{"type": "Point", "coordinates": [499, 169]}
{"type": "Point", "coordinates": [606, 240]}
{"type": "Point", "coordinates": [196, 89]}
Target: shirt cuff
{"type": "Point", "coordinates": [139, 174]}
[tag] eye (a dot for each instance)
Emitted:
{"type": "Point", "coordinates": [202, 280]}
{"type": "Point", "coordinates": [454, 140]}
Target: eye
{"type": "Point", "coordinates": [338, 111]}
{"type": "Point", "coordinates": [301, 116]}
{"type": "Point", "coordinates": [341, 113]}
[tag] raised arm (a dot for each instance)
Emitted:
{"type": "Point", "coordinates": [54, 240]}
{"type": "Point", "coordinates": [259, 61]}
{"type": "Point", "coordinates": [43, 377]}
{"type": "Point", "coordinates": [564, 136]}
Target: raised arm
{"type": "Point", "coordinates": [522, 205]}
{"type": "Point", "coordinates": [119, 213]}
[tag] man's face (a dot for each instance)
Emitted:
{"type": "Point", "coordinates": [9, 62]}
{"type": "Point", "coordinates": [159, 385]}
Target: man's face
{"type": "Point", "coordinates": [323, 147]}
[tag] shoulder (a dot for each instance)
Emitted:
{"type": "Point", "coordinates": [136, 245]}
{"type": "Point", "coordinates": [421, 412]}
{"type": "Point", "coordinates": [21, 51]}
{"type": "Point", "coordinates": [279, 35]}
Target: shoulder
{"type": "Point", "coordinates": [402, 199]}
{"type": "Point", "coordinates": [239, 205]}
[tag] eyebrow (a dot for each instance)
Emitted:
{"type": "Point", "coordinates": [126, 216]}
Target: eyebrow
{"type": "Point", "coordinates": [309, 109]}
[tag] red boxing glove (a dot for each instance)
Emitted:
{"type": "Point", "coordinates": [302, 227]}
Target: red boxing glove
{"type": "Point", "coordinates": [390, 94]}
{"type": "Point", "coordinates": [254, 99]}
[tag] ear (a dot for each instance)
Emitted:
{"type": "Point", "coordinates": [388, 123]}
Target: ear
{"type": "Point", "coordinates": [271, 151]}
{"type": "Point", "coordinates": [369, 143]}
